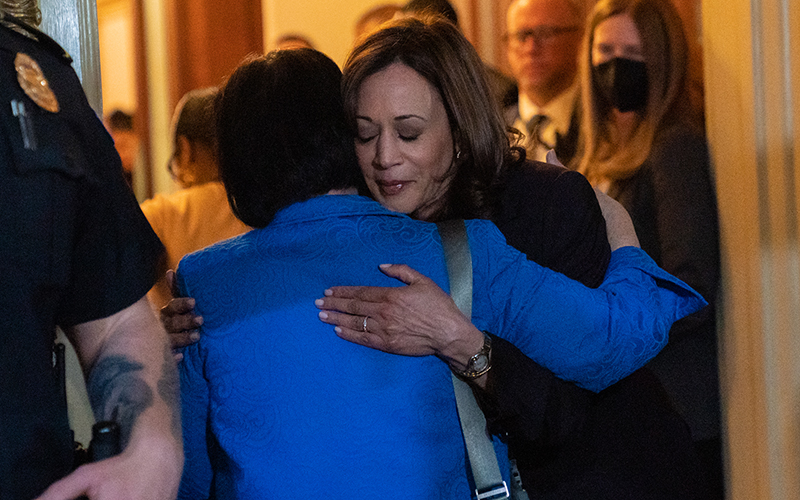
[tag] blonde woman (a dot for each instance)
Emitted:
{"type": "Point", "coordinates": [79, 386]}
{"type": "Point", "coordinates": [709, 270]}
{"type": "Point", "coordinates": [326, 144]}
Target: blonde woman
{"type": "Point", "coordinates": [643, 144]}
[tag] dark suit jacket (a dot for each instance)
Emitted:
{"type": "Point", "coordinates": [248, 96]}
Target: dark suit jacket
{"type": "Point", "coordinates": [672, 202]}
{"type": "Point", "coordinates": [566, 145]}
{"type": "Point", "coordinates": [627, 441]}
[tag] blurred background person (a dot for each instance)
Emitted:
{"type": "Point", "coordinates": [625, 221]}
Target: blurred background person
{"type": "Point", "coordinates": [126, 141]}
{"type": "Point", "coordinates": [643, 144]}
{"type": "Point", "coordinates": [503, 87]}
{"type": "Point", "coordinates": [198, 214]}
{"type": "Point", "coordinates": [293, 41]}
{"type": "Point", "coordinates": [373, 18]}
{"type": "Point", "coordinates": [543, 42]}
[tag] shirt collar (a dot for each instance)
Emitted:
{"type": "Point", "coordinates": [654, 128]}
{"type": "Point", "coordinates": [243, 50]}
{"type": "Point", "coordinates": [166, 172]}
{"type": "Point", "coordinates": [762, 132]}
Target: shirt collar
{"type": "Point", "coordinates": [328, 206]}
{"type": "Point", "coordinates": [559, 110]}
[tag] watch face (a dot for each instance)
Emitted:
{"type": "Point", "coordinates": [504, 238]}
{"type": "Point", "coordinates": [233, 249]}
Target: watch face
{"type": "Point", "coordinates": [479, 362]}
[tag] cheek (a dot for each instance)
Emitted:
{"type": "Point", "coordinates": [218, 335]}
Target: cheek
{"type": "Point", "coordinates": [439, 158]}
{"type": "Point", "coordinates": [364, 159]}
{"type": "Point", "coordinates": [442, 167]}
{"type": "Point", "coordinates": [435, 176]}
{"type": "Point", "coordinates": [597, 57]}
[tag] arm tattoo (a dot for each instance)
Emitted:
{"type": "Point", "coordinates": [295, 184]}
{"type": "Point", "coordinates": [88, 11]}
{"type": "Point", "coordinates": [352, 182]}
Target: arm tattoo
{"type": "Point", "coordinates": [117, 392]}
{"type": "Point", "coordinates": [169, 390]}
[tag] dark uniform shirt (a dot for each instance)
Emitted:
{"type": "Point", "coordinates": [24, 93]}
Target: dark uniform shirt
{"type": "Point", "coordinates": [74, 247]}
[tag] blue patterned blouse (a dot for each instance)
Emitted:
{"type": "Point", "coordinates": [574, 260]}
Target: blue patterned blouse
{"type": "Point", "coordinates": [276, 406]}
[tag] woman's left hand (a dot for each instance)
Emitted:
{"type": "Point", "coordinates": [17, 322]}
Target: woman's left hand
{"type": "Point", "coordinates": [415, 320]}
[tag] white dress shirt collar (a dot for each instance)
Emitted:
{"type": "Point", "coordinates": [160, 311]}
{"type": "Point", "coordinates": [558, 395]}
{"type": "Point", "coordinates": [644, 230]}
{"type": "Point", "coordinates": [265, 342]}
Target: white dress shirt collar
{"type": "Point", "coordinates": [559, 110]}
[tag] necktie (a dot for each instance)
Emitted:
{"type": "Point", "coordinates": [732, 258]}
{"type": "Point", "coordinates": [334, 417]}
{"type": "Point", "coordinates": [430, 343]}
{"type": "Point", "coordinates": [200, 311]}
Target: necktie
{"type": "Point", "coordinates": [535, 128]}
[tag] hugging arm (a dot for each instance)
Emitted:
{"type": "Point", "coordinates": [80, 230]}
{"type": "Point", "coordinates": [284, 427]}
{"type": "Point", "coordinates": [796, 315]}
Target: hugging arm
{"type": "Point", "coordinates": [179, 319]}
{"type": "Point", "coordinates": [592, 337]}
{"type": "Point", "coordinates": [421, 319]}
{"type": "Point", "coordinates": [417, 320]}
{"type": "Point", "coordinates": [198, 473]}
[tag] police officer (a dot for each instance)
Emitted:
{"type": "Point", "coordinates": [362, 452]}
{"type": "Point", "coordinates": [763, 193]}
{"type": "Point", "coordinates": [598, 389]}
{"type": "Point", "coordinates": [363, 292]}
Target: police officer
{"type": "Point", "coordinates": [75, 252]}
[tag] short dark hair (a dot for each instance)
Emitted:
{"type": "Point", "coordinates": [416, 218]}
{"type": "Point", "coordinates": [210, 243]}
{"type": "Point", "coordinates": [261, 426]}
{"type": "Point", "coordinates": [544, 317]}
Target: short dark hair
{"type": "Point", "coordinates": [282, 136]}
{"type": "Point", "coordinates": [194, 117]}
{"type": "Point", "coordinates": [435, 7]}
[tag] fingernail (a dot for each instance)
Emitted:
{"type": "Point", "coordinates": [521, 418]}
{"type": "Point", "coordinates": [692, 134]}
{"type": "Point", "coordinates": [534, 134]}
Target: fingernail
{"type": "Point", "coordinates": [385, 266]}
{"type": "Point", "coordinates": [198, 321]}
{"type": "Point", "coordinates": [328, 292]}
{"type": "Point", "coordinates": [194, 337]}
{"type": "Point", "coordinates": [191, 303]}
{"type": "Point", "coordinates": [323, 315]}
{"type": "Point", "coordinates": [319, 302]}
{"type": "Point", "coordinates": [337, 329]}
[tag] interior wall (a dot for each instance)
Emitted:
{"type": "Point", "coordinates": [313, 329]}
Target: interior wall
{"type": "Point", "coordinates": [117, 55]}
{"type": "Point", "coordinates": [752, 76]}
{"type": "Point", "coordinates": [156, 69]}
{"type": "Point", "coordinates": [207, 39]}
{"type": "Point", "coordinates": [330, 25]}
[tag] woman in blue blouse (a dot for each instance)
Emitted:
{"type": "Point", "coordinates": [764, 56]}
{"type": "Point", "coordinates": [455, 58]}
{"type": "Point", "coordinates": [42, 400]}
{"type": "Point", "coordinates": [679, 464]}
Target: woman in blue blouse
{"type": "Point", "coordinates": [274, 404]}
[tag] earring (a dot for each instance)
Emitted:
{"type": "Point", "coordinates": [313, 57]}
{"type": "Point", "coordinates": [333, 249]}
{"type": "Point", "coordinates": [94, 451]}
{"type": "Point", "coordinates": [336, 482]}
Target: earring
{"type": "Point", "coordinates": [458, 154]}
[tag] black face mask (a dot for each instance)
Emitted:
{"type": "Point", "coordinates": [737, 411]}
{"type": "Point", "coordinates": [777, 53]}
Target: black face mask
{"type": "Point", "coordinates": [622, 83]}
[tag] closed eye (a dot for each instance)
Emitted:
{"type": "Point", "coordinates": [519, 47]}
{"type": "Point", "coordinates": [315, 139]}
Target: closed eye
{"type": "Point", "coordinates": [365, 140]}
{"type": "Point", "coordinates": [607, 51]}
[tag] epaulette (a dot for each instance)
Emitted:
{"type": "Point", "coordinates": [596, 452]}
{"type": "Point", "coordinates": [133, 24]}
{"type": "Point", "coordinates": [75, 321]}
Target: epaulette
{"type": "Point", "coordinates": [21, 28]}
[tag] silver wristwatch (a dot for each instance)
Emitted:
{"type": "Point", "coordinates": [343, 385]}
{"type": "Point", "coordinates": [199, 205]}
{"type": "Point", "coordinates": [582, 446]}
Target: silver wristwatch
{"type": "Point", "coordinates": [479, 363]}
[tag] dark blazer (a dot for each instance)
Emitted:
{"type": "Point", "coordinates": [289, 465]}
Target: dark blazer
{"type": "Point", "coordinates": [672, 202]}
{"type": "Point", "coordinates": [625, 442]}
{"type": "Point", "coordinates": [566, 145]}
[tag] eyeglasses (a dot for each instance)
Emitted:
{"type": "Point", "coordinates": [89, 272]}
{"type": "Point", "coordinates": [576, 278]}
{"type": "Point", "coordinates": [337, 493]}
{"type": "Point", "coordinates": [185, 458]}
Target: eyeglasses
{"type": "Point", "coordinates": [541, 35]}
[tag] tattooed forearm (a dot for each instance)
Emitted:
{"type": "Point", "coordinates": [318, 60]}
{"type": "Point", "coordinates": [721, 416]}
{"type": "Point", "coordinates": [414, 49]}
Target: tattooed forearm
{"type": "Point", "coordinates": [117, 392]}
{"type": "Point", "coordinates": [169, 390]}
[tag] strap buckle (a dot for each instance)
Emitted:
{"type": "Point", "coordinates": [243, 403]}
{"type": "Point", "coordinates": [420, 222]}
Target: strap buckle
{"type": "Point", "coordinates": [493, 492]}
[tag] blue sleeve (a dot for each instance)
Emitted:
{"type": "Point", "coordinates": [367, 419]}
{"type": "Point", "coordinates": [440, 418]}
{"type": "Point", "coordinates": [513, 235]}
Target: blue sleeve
{"type": "Point", "coordinates": [593, 337]}
{"type": "Point", "coordinates": [197, 472]}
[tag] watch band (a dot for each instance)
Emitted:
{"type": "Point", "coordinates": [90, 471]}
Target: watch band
{"type": "Point", "coordinates": [479, 363]}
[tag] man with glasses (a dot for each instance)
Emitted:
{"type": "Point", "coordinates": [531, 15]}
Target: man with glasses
{"type": "Point", "coordinates": [504, 88]}
{"type": "Point", "coordinates": [543, 42]}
